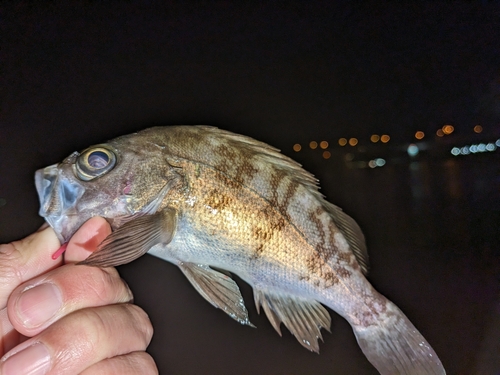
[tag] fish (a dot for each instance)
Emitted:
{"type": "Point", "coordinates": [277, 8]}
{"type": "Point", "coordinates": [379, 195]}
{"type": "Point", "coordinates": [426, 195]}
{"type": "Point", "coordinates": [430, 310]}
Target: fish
{"type": "Point", "coordinates": [216, 203]}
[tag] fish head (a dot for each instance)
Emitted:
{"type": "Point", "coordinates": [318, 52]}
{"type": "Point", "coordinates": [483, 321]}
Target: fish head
{"type": "Point", "coordinates": [117, 180]}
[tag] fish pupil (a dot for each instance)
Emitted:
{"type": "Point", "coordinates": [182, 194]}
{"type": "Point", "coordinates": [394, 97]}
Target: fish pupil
{"type": "Point", "coordinates": [98, 159]}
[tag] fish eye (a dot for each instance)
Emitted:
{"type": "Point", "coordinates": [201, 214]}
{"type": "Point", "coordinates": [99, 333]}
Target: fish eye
{"type": "Point", "coordinates": [94, 162]}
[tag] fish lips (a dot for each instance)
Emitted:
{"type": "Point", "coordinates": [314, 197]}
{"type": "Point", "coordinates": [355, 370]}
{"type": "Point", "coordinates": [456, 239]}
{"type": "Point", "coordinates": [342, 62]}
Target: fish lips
{"type": "Point", "coordinates": [58, 196]}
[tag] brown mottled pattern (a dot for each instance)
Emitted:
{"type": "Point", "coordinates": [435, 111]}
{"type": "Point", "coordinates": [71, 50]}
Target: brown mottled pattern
{"type": "Point", "coordinates": [217, 200]}
{"type": "Point", "coordinates": [281, 223]}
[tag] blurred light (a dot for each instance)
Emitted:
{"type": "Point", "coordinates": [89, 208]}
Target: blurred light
{"type": "Point", "coordinates": [3, 202]}
{"type": "Point", "coordinates": [323, 144]}
{"type": "Point", "coordinates": [297, 147]}
{"type": "Point", "coordinates": [419, 134]}
{"type": "Point", "coordinates": [478, 129]}
{"type": "Point", "coordinates": [313, 145]}
{"type": "Point", "coordinates": [349, 157]}
{"type": "Point", "coordinates": [385, 138]}
{"type": "Point", "coordinates": [353, 141]}
{"type": "Point", "coordinates": [342, 141]}
{"type": "Point", "coordinates": [473, 149]}
{"type": "Point", "coordinates": [374, 138]}
{"type": "Point", "coordinates": [413, 150]}
{"type": "Point", "coordinates": [326, 154]}
{"type": "Point", "coordinates": [448, 129]}
{"type": "Point", "coordinates": [497, 143]}
{"type": "Point", "coordinates": [379, 162]}
{"type": "Point", "coordinates": [439, 133]}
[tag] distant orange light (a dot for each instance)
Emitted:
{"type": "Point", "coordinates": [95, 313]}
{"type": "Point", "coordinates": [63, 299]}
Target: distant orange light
{"type": "Point", "coordinates": [385, 138]}
{"type": "Point", "coordinates": [297, 147]}
{"type": "Point", "coordinates": [323, 144]}
{"type": "Point", "coordinates": [419, 134]}
{"type": "Point", "coordinates": [313, 145]}
{"type": "Point", "coordinates": [353, 141]}
{"type": "Point", "coordinates": [439, 133]}
{"type": "Point", "coordinates": [326, 154]}
{"type": "Point", "coordinates": [448, 129]}
{"type": "Point", "coordinates": [374, 138]}
{"type": "Point", "coordinates": [478, 129]}
{"type": "Point", "coordinates": [342, 141]}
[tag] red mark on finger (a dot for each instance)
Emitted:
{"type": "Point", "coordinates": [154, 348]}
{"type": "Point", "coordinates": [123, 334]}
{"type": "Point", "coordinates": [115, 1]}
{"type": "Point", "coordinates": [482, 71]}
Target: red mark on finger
{"type": "Point", "coordinates": [91, 244]}
{"type": "Point", "coordinates": [60, 251]}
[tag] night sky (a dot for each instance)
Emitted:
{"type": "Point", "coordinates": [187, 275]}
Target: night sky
{"type": "Point", "coordinates": [79, 73]}
{"type": "Point", "coordinates": [318, 69]}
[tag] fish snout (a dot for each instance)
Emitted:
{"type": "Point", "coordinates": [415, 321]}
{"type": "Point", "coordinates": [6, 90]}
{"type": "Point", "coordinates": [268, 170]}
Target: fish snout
{"type": "Point", "coordinates": [58, 197]}
{"type": "Point", "coordinates": [57, 194]}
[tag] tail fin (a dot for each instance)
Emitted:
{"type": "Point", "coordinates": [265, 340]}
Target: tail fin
{"type": "Point", "coordinates": [394, 346]}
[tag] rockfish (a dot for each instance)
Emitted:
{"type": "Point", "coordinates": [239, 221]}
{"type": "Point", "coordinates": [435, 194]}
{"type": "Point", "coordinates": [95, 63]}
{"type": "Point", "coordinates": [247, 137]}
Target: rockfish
{"type": "Point", "coordinates": [211, 201]}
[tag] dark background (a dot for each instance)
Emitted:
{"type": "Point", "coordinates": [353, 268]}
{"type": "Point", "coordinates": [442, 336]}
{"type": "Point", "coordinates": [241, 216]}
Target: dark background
{"type": "Point", "coordinates": [77, 74]}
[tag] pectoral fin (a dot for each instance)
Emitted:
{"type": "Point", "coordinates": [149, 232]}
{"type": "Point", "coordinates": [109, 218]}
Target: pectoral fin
{"type": "Point", "coordinates": [303, 318]}
{"type": "Point", "coordinates": [218, 289]}
{"type": "Point", "coordinates": [133, 239]}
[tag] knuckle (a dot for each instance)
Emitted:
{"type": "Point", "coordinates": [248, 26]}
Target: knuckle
{"type": "Point", "coordinates": [105, 286]}
{"type": "Point", "coordinates": [143, 323]}
{"type": "Point", "coordinates": [144, 364]}
{"type": "Point", "coordinates": [118, 285]}
{"type": "Point", "coordinates": [93, 286]}
{"type": "Point", "coordinates": [10, 260]}
{"type": "Point", "coordinates": [87, 326]}
{"type": "Point", "coordinates": [138, 363]}
{"type": "Point", "coordinates": [150, 364]}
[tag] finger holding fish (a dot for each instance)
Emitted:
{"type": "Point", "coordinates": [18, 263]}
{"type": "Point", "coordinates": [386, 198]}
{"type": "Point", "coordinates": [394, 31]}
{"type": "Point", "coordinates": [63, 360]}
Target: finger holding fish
{"type": "Point", "coordinates": [52, 321]}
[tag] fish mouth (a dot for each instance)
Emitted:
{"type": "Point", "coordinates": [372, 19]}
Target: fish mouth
{"type": "Point", "coordinates": [58, 197]}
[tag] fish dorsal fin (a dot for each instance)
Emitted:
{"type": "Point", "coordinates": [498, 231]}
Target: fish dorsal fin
{"type": "Point", "coordinates": [133, 239]}
{"type": "Point", "coordinates": [268, 154]}
{"type": "Point", "coordinates": [218, 289]}
{"type": "Point", "coordinates": [303, 318]}
{"type": "Point", "coordinates": [352, 233]}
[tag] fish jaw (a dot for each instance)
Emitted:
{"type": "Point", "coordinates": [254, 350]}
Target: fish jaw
{"type": "Point", "coordinates": [58, 197]}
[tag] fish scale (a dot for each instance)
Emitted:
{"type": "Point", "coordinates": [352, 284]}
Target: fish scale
{"type": "Point", "coordinates": [209, 200]}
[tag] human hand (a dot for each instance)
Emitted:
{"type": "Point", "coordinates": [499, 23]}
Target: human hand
{"type": "Point", "coordinates": [60, 318]}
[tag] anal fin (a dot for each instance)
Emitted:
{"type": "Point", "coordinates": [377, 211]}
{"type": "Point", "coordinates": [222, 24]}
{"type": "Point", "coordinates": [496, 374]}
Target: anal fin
{"type": "Point", "coordinates": [218, 289]}
{"type": "Point", "coordinates": [303, 318]}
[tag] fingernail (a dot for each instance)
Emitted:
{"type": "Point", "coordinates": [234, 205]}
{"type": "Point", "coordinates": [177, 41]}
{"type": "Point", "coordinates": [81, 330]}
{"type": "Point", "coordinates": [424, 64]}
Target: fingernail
{"type": "Point", "coordinates": [37, 305]}
{"type": "Point", "coordinates": [34, 360]}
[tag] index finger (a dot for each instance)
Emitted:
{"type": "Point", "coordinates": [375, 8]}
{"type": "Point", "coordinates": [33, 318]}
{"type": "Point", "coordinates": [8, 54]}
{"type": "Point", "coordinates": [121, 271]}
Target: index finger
{"type": "Point", "coordinates": [24, 259]}
{"type": "Point", "coordinates": [86, 239]}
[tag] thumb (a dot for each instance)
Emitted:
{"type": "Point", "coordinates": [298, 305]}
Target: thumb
{"type": "Point", "coordinates": [24, 259]}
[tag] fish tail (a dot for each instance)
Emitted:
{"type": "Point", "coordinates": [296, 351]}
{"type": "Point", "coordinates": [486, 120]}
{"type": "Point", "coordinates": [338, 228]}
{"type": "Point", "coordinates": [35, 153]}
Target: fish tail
{"type": "Point", "coordinates": [394, 346]}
